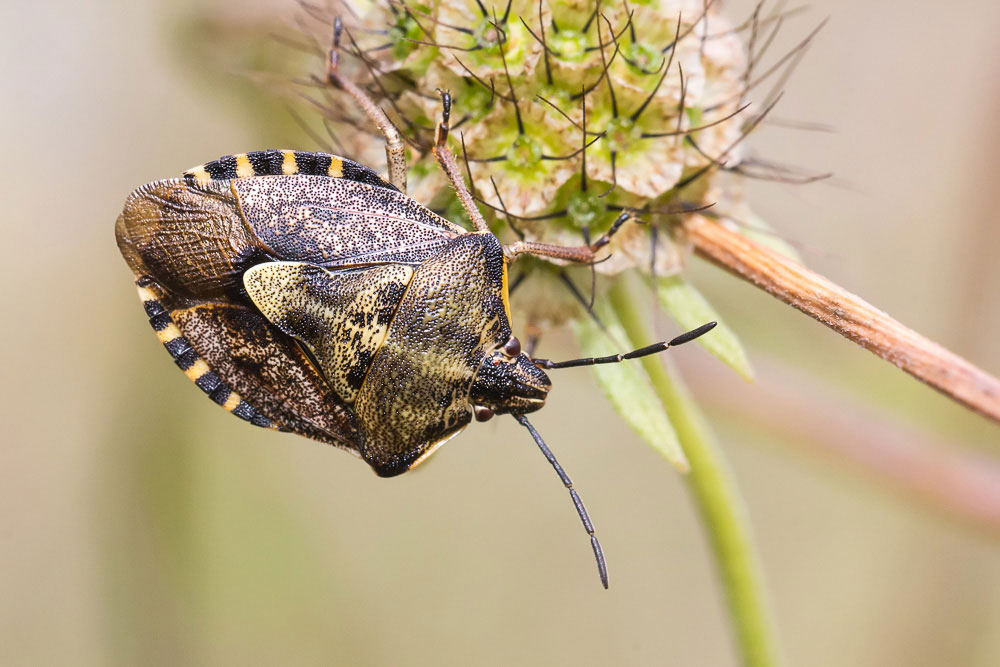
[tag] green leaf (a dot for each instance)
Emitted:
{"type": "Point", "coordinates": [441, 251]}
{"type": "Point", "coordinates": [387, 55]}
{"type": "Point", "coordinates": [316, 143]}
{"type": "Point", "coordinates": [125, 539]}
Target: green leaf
{"type": "Point", "coordinates": [690, 309]}
{"type": "Point", "coordinates": [627, 386]}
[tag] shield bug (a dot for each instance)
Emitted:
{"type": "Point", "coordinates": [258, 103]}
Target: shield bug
{"type": "Point", "coordinates": [304, 293]}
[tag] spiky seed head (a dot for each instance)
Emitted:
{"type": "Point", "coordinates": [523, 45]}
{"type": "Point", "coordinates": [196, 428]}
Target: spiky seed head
{"type": "Point", "coordinates": [571, 110]}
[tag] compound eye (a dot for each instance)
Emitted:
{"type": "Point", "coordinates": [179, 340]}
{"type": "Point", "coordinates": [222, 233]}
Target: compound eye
{"type": "Point", "coordinates": [513, 347]}
{"type": "Point", "coordinates": [482, 413]}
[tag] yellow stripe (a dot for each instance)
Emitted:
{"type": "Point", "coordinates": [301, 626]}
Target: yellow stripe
{"type": "Point", "coordinates": [288, 164]}
{"type": "Point", "coordinates": [199, 173]}
{"type": "Point", "coordinates": [231, 402]}
{"type": "Point", "coordinates": [243, 167]}
{"type": "Point", "coordinates": [197, 369]}
{"type": "Point", "coordinates": [169, 333]}
{"type": "Point", "coordinates": [336, 167]}
{"type": "Point", "coordinates": [146, 294]}
{"type": "Point", "coordinates": [505, 292]}
{"type": "Point", "coordinates": [433, 448]}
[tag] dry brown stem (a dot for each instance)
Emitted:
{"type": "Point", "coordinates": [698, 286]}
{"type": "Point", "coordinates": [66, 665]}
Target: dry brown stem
{"type": "Point", "coordinates": [847, 314]}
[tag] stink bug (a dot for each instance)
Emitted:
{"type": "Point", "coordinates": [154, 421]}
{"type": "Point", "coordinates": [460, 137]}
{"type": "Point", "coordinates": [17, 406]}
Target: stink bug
{"type": "Point", "coordinates": [304, 293]}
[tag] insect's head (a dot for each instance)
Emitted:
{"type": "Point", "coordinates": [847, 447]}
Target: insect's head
{"type": "Point", "coordinates": [508, 381]}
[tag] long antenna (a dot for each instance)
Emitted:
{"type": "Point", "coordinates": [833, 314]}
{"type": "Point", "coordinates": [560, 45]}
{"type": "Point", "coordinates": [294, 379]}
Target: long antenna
{"type": "Point", "coordinates": [634, 354]}
{"type": "Point", "coordinates": [602, 567]}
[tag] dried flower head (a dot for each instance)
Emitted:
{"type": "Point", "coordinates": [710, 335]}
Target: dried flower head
{"type": "Point", "coordinates": [566, 113]}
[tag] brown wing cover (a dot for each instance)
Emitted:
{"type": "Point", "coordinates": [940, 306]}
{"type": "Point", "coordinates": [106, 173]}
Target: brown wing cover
{"type": "Point", "coordinates": [342, 317]}
{"type": "Point", "coordinates": [269, 371]}
{"type": "Point", "coordinates": [189, 238]}
{"type": "Point", "coordinates": [416, 394]}
{"type": "Point", "coordinates": [336, 222]}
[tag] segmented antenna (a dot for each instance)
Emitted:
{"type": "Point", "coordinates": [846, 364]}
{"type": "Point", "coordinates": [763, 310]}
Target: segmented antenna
{"type": "Point", "coordinates": [602, 566]}
{"type": "Point", "coordinates": [634, 354]}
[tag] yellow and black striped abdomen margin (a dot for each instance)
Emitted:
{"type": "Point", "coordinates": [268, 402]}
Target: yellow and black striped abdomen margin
{"type": "Point", "coordinates": [274, 162]}
{"type": "Point", "coordinates": [189, 361]}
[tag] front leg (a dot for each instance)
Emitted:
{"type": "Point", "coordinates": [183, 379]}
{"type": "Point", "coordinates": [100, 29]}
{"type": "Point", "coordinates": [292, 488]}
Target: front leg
{"type": "Point", "coordinates": [446, 159]}
{"type": "Point", "coordinates": [583, 254]}
{"type": "Point", "coordinates": [395, 150]}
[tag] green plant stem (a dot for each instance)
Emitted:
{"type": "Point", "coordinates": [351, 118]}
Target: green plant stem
{"type": "Point", "coordinates": [715, 493]}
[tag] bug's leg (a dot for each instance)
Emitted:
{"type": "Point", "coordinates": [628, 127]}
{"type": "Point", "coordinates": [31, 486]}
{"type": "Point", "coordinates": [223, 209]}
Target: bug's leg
{"type": "Point", "coordinates": [582, 254]}
{"type": "Point", "coordinates": [395, 150]}
{"type": "Point", "coordinates": [448, 163]}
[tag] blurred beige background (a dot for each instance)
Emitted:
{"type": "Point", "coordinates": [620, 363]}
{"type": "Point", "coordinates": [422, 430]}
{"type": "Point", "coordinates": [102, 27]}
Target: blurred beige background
{"type": "Point", "coordinates": [139, 524]}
